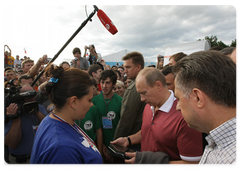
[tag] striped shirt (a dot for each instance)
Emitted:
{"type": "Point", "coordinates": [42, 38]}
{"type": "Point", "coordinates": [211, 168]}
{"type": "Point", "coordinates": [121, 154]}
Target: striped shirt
{"type": "Point", "coordinates": [221, 148]}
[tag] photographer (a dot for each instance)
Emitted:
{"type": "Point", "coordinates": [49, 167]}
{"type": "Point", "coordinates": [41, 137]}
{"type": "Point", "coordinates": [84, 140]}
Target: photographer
{"type": "Point", "coordinates": [94, 57]}
{"type": "Point", "coordinates": [160, 62]}
{"type": "Point", "coordinates": [20, 130]}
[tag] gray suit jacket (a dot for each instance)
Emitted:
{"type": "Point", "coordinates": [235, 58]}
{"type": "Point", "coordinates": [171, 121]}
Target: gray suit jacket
{"type": "Point", "coordinates": [147, 157]}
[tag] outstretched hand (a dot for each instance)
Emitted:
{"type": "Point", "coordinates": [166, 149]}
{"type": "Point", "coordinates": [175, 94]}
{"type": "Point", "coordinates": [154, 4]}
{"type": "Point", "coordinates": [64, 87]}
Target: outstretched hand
{"type": "Point", "coordinates": [43, 60]}
{"type": "Point", "coordinates": [122, 141]}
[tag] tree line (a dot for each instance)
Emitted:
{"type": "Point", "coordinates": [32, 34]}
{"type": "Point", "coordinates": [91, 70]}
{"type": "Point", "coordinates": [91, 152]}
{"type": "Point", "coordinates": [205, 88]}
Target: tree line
{"type": "Point", "coordinates": [215, 43]}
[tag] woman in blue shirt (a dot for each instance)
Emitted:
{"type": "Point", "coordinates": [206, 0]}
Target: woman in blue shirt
{"type": "Point", "coordinates": [58, 139]}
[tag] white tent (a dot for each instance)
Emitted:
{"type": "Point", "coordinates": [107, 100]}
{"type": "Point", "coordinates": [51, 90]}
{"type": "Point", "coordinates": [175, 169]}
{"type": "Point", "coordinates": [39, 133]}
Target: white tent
{"type": "Point", "coordinates": [113, 59]}
{"type": "Point", "coordinates": [186, 48]}
{"type": "Point", "coordinates": [150, 61]}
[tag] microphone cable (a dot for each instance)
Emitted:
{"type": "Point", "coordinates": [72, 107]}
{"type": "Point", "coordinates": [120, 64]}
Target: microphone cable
{"type": "Point", "coordinates": [86, 13]}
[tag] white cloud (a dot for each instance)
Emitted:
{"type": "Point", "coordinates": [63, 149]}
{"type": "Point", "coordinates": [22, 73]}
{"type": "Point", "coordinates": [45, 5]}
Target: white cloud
{"type": "Point", "coordinates": [44, 28]}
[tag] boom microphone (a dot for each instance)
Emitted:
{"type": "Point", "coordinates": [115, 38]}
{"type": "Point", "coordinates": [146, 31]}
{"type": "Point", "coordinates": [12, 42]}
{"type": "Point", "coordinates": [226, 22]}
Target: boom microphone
{"type": "Point", "coordinates": [107, 23]}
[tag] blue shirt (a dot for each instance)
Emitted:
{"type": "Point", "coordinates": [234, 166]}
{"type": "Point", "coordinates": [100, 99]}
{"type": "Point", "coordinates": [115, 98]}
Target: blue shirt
{"type": "Point", "coordinates": [57, 143]}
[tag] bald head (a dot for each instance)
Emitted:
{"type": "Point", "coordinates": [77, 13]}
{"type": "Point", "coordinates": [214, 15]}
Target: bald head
{"type": "Point", "coordinates": [26, 87]}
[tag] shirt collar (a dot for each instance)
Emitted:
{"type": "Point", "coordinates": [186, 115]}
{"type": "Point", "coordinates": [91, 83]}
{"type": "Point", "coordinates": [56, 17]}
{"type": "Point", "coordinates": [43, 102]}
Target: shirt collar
{"type": "Point", "coordinates": [166, 107]}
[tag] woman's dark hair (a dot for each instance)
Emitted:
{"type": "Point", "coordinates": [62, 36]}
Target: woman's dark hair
{"type": "Point", "coordinates": [71, 82]}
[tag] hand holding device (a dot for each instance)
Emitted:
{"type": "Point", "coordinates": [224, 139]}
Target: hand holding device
{"type": "Point", "coordinates": [119, 151]}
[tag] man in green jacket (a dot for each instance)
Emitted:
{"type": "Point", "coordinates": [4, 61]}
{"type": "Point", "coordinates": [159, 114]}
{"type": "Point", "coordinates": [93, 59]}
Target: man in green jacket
{"type": "Point", "coordinates": [132, 107]}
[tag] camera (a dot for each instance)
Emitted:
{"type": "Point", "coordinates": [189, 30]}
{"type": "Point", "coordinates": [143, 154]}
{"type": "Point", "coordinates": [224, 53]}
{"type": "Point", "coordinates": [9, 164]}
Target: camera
{"type": "Point", "coordinates": [13, 95]}
{"type": "Point", "coordinates": [47, 60]}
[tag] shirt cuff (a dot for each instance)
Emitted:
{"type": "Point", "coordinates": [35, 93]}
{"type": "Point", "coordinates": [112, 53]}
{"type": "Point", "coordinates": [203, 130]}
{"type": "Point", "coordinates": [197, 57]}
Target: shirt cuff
{"type": "Point", "coordinates": [195, 158]}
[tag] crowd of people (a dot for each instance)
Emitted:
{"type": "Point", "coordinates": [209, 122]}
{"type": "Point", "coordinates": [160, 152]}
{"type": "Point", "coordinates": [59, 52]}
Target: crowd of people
{"type": "Point", "coordinates": [180, 113]}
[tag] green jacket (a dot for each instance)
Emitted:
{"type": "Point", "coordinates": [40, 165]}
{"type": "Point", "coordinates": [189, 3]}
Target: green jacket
{"type": "Point", "coordinates": [131, 113]}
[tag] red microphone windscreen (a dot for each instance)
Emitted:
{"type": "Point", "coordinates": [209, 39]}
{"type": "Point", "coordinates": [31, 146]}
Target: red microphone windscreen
{"type": "Point", "coordinates": [108, 24]}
